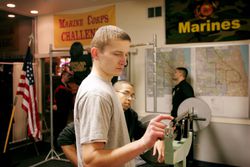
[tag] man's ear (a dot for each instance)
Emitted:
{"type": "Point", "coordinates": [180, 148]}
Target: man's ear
{"type": "Point", "coordinates": [94, 53]}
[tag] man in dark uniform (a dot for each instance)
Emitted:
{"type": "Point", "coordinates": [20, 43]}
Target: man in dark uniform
{"type": "Point", "coordinates": [182, 89]}
{"type": "Point", "coordinates": [80, 63]}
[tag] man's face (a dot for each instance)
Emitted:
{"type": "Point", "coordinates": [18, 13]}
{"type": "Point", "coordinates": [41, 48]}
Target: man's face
{"type": "Point", "coordinates": [112, 59]}
{"type": "Point", "coordinates": [126, 95]}
{"type": "Point", "coordinates": [177, 75]}
{"type": "Point", "coordinates": [67, 77]}
{"type": "Point", "coordinates": [73, 87]}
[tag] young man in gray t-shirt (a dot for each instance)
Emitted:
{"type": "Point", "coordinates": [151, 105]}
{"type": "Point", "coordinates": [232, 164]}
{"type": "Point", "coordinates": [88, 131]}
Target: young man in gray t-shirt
{"type": "Point", "coordinates": [101, 135]}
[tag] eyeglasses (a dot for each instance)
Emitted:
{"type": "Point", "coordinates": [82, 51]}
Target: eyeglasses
{"type": "Point", "coordinates": [127, 95]}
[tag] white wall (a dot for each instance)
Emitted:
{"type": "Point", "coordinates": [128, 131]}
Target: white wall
{"type": "Point", "coordinates": [132, 17]}
{"type": "Point", "coordinates": [20, 118]}
{"type": "Point", "coordinates": [224, 143]}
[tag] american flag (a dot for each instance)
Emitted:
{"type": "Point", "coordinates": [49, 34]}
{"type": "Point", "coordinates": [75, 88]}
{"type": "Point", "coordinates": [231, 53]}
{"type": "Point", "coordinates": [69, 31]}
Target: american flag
{"type": "Point", "coordinates": [26, 88]}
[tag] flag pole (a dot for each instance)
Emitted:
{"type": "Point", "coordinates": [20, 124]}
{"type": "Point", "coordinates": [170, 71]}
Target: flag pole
{"type": "Point", "coordinates": [10, 124]}
{"type": "Point", "coordinates": [31, 37]}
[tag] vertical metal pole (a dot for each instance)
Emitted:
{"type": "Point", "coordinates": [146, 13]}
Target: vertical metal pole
{"type": "Point", "coordinates": [154, 72]}
{"type": "Point", "coordinates": [51, 99]}
{"type": "Point", "coordinates": [52, 151]}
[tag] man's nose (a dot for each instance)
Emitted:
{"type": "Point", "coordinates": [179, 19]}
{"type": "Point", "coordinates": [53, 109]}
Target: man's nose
{"type": "Point", "coordinates": [124, 60]}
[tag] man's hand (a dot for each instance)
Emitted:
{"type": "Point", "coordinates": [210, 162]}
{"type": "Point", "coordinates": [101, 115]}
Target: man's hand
{"type": "Point", "coordinates": [155, 130]}
{"type": "Point", "coordinates": [159, 148]}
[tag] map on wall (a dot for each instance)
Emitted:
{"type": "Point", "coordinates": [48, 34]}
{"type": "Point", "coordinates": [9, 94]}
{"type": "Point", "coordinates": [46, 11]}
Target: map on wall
{"type": "Point", "coordinates": [166, 62]}
{"type": "Point", "coordinates": [222, 71]}
{"type": "Point", "coordinates": [219, 76]}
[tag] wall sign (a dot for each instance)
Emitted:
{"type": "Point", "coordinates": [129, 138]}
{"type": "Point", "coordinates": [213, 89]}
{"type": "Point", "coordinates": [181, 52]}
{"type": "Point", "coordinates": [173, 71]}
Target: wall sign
{"type": "Point", "coordinates": [80, 27]}
{"type": "Point", "coordinates": [207, 20]}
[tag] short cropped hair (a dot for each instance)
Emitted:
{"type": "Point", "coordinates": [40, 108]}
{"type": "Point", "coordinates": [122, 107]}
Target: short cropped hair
{"type": "Point", "coordinates": [107, 33]}
{"type": "Point", "coordinates": [117, 84]}
{"type": "Point", "coordinates": [64, 72]}
{"type": "Point", "coordinates": [183, 70]}
{"type": "Point", "coordinates": [76, 50]}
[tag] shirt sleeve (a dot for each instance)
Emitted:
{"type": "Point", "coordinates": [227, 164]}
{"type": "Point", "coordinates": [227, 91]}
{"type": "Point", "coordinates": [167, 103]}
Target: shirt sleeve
{"type": "Point", "coordinates": [96, 113]}
{"type": "Point", "coordinates": [67, 136]}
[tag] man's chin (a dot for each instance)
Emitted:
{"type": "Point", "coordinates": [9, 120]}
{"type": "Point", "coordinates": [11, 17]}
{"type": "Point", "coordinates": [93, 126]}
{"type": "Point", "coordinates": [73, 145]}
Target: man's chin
{"type": "Point", "coordinates": [118, 71]}
{"type": "Point", "coordinates": [125, 108]}
{"type": "Point", "coordinates": [117, 74]}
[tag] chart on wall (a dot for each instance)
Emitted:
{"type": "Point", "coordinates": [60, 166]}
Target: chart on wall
{"type": "Point", "coordinates": [219, 76]}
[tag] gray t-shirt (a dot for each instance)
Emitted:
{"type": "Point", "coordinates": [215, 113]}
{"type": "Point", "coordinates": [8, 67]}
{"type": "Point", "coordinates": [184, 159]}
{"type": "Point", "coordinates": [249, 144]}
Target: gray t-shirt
{"type": "Point", "coordinates": [98, 116]}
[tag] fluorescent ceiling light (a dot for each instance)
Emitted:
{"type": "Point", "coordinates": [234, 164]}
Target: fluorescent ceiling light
{"type": "Point", "coordinates": [34, 11]}
{"type": "Point", "coordinates": [11, 5]}
{"type": "Point", "coordinates": [11, 15]}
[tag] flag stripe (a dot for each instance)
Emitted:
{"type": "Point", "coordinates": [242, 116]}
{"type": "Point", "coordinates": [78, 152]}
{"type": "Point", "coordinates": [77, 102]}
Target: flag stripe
{"type": "Point", "coordinates": [26, 88]}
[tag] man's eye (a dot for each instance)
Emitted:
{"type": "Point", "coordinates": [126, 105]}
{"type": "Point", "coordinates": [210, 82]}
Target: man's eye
{"type": "Point", "coordinates": [118, 54]}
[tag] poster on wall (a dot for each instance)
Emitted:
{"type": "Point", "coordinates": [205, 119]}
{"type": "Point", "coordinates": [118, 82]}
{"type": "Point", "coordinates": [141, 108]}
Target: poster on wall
{"type": "Point", "coordinates": [81, 27]}
{"type": "Point", "coordinates": [206, 20]}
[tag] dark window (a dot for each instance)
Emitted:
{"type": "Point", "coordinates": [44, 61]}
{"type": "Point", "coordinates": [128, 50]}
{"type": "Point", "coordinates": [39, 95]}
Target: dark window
{"type": "Point", "coordinates": [158, 11]}
{"type": "Point", "coordinates": [151, 12]}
